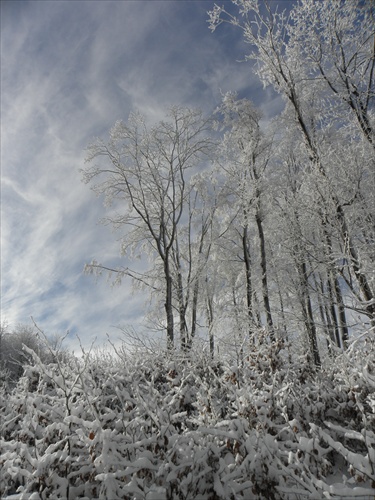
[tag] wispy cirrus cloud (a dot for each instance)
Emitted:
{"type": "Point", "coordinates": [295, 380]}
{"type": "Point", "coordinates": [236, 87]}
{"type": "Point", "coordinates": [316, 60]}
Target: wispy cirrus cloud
{"type": "Point", "coordinates": [69, 70]}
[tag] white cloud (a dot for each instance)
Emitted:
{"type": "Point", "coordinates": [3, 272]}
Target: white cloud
{"type": "Point", "coordinates": [69, 71]}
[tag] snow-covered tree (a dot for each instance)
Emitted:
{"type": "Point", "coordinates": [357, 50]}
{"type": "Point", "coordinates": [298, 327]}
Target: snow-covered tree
{"type": "Point", "coordinates": [246, 152]}
{"type": "Point", "coordinates": [145, 174]}
{"type": "Point", "coordinates": [320, 57]}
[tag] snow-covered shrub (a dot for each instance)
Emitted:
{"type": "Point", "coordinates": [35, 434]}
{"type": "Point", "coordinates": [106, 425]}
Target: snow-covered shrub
{"type": "Point", "coordinates": [156, 426]}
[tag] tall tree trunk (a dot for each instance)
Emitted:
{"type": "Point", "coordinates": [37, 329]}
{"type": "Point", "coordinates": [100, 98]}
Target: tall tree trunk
{"type": "Point", "coordinates": [342, 315]}
{"type": "Point", "coordinates": [182, 313]}
{"type": "Point", "coordinates": [210, 318]}
{"type": "Point", "coordinates": [281, 301]}
{"type": "Point", "coordinates": [248, 279]}
{"type": "Point", "coordinates": [323, 310]}
{"type": "Point", "coordinates": [334, 289]}
{"type": "Point", "coordinates": [331, 328]}
{"type": "Point", "coordinates": [263, 264]}
{"type": "Point", "coordinates": [239, 325]}
{"type": "Point", "coordinates": [169, 305]}
{"type": "Point", "coordinates": [194, 313]}
{"type": "Point", "coordinates": [197, 282]}
{"type": "Point", "coordinates": [332, 310]}
{"type": "Point", "coordinates": [307, 311]}
{"type": "Point", "coordinates": [181, 299]}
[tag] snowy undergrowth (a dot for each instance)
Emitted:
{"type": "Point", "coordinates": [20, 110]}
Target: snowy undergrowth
{"type": "Point", "coordinates": [151, 426]}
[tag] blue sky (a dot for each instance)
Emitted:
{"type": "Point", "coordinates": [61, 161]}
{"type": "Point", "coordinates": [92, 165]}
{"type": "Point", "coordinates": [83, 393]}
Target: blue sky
{"type": "Point", "coordinates": [69, 70]}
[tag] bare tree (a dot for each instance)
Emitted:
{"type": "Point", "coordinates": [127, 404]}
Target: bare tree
{"type": "Point", "coordinates": [144, 174]}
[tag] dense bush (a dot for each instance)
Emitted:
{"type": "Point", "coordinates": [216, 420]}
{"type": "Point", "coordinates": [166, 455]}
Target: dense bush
{"type": "Point", "coordinates": [13, 356]}
{"type": "Point", "coordinates": [157, 426]}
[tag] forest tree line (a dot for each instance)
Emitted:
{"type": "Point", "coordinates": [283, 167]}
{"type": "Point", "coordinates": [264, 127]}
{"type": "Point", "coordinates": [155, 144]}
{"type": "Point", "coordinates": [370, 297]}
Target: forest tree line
{"type": "Point", "coordinates": [249, 224]}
